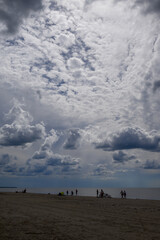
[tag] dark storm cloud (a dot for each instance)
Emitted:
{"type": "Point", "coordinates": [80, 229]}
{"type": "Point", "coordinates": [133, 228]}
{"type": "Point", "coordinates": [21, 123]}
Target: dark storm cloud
{"type": "Point", "coordinates": [72, 140]}
{"type": "Point", "coordinates": [12, 12]}
{"type": "Point", "coordinates": [122, 157]}
{"type": "Point", "coordinates": [130, 138]}
{"type": "Point", "coordinates": [16, 135]}
{"type": "Point", "coordinates": [151, 165]}
{"type": "Point", "coordinates": [156, 85]}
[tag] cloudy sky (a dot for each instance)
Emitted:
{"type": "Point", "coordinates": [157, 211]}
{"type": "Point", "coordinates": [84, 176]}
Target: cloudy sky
{"type": "Point", "coordinates": [80, 93]}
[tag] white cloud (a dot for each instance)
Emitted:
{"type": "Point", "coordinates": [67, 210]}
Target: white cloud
{"type": "Point", "coordinates": [20, 131]}
{"type": "Point", "coordinates": [74, 63]}
{"type": "Point", "coordinates": [66, 40]}
{"type": "Point", "coordinates": [86, 65]}
{"type": "Point", "coordinates": [101, 59]}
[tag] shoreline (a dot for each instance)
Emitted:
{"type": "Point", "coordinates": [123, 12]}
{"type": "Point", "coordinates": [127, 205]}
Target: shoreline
{"type": "Point", "coordinates": [132, 193]}
{"type": "Point", "coordinates": [31, 216]}
{"type": "Point", "coordinates": [77, 196]}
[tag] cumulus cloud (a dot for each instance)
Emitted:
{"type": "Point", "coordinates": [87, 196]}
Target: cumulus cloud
{"type": "Point", "coordinates": [130, 138]}
{"type": "Point", "coordinates": [52, 163]}
{"type": "Point", "coordinates": [51, 138]}
{"type": "Point", "coordinates": [12, 12]}
{"type": "Point", "coordinates": [79, 64]}
{"type": "Point", "coordinates": [75, 63]}
{"type": "Point", "coordinates": [151, 164]}
{"type": "Point", "coordinates": [45, 161]}
{"type": "Point", "coordinates": [73, 139]}
{"type": "Point", "coordinates": [122, 157]}
{"type": "Point", "coordinates": [20, 131]}
{"type": "Point", "coordinates": [15, 135]}
{"type": "Point", "coordinates": [45, 150]}
{"type": "Point", "coordinates": [60, 160]}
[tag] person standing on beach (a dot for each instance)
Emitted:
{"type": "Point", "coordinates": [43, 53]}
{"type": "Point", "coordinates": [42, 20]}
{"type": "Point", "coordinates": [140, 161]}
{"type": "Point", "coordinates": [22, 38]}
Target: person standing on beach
{"type": "Point", "coordinates": [76, 192]}
{"type": "Point", "coordinates": [124, 194]}
{"type": "Point", "coordinates": [97, 192]}
{"type": "Point", "coordinates": [67, 192]}
{"type": "Point", "coordinates": [102, 193]}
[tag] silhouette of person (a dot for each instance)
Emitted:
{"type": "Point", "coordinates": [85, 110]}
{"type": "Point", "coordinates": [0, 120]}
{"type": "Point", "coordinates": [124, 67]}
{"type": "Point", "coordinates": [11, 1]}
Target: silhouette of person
{"type": "Point", "coordinates": [67, 192]}
{"type": "Point", "coordinates": [72, 193]}
{"type": "Point", "coordinates": [102, 193]}
{"type": "Point", "coordinates": [97, 192]}
{"type": "Point", "coordinates": [122, 194]}
{"type": "Point", "coordinates": [76, 192]}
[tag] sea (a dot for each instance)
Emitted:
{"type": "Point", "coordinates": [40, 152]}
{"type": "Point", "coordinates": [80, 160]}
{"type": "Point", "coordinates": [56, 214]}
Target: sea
{"type": "Point", "coordinates": [132, 193]}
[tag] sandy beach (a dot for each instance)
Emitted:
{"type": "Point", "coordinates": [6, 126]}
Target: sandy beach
{"type": "Point", "coordinates": [39, 216]}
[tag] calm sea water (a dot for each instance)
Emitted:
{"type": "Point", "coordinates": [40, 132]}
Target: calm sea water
{"type": "Point", "coordinates": [134, 193]}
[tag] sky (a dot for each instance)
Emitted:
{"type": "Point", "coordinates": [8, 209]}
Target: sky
{"type": "Point", "coordinates": [80, 93]}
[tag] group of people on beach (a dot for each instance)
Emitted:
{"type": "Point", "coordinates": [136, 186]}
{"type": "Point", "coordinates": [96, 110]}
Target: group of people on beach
{"type": "Point", "coordinates": [23, 191]}
{"type": "Point", "coordinates": [100, 194]}
{"type": "Point", "coordinates": [123, 194]}
{"type": "Point", "coordinates": [72, 193]}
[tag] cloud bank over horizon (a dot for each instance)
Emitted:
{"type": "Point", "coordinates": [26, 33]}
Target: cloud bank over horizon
{"type": "Point", "coordinates": [80, 90]}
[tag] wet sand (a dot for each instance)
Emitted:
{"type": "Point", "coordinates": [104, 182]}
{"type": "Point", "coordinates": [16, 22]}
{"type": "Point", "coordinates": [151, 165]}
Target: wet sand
{"type": "Point", "coordinates": [49, 217]}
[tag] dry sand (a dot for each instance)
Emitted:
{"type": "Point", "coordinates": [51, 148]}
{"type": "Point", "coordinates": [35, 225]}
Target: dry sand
{"type": "Point", "coordinates": [40, 216]}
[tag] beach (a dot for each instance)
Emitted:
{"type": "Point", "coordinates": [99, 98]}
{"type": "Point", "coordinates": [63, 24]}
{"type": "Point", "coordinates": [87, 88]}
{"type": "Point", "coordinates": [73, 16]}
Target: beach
{"type": "Point", "coordinates": [46, 216]}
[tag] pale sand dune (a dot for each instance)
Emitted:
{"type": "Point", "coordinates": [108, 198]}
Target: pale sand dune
{"type": "Point", "coordinates": [38, 216]}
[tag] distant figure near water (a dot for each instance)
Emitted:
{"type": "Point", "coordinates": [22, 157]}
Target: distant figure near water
{"type": "Point", "coordinates": [101, 193]}
{"type": "Point", "coordinates": [97, 192]}
{"type": "Point", "coordinates": [24, 191]}
{"type": "Point", "coordinates": [76, 192]}
{"type": "Point", "coordinates": [123, 194]}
